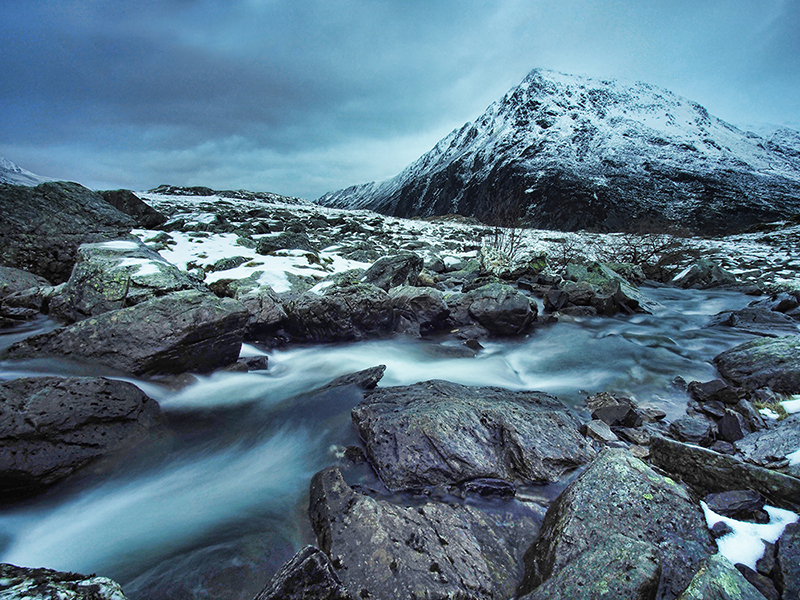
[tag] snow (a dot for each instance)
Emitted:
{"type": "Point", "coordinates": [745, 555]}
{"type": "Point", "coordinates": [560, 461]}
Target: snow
{"type": "Point", "coordinates": [16, 175]}
{"type": "Point", "coordinates": [746, 544]}
{"type": "Point", "coordinates": [119, 245]}
{"type": "Point", "coordinates": [769, 413]}
{"type": "Point", "coordinates": [146, 266]}
{"type": "Point", "coordinates": [792, 405]}
{"type": "Point", "coordinates": [794, 458]}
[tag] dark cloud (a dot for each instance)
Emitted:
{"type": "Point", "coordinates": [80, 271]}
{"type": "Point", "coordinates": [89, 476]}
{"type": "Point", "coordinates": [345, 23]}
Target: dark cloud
{"type": "Point", "coordinates": [302, 97]}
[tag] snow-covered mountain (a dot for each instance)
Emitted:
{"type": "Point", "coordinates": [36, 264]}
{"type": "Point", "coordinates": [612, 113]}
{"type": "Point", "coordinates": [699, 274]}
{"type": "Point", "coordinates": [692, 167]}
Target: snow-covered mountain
{"type": "Point", "coordinates": [14, 174]}
{"type": "Point", "coordinates": [568, 152]}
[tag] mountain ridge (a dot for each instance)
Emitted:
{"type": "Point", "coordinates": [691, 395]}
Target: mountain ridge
{"type": "Point", "coordinates": [567, 152]}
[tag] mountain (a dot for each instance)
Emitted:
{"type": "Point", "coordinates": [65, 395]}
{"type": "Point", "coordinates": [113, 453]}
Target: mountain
{"type": "Point", "coordinates": [16, 175]}
{"type": "Point", "coordinates": [567, 152]}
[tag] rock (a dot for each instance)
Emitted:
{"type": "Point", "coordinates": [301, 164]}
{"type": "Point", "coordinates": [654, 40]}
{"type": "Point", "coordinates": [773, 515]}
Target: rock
{"type": "Point", "coordinates": [770, 362]}
{"type": "Point", "coordinates": [610, 292]}
{"type": "Point", "coordinates": [616, 411]}
{"type": "Point", "coordinates": [766, 564]}
{"type": "Point", "coordinates": [742, 505]}
{"type": "Point", "coordinates": [729, 427]}
{"type": "Point", "coordinates": [598, 430]}
{"type": "Point", "coordinates": [420, 310]}
{"type": "Point", "coordinates": [437, 432]}
{"type": "Point", "coordinates": [16, 280]}
{"type": "Point", "coordinates": [267, 313]}
{"type": "Point", "coordinates": [51, 427]}
{"type": "Point", "coordinates": [43, 226]}
{"type": "Point", "coordinates": [285, 241]}
{"type": "Point", "coordinates": [620, 567]}
{"type": "Point", "coordinates": [769, 447]}
{"type": "Point", "coordinates": [703, 275]}
{"type": "Point", "coordinates": [429, 550]}
{"type": "Point", "coordinates": [391, 271]}
{"type": "Point", "coordinates": [117, 274]}
{"type": "Point", "coordinates": [764, 585]}
{"type": "Point", "coordinates": [756, 319]}
{"type": "Point", "coordinates": [501, 309]}
{"type": "Point", "coordinates": [309, 575]}
{"type": "Point", "coordinates": [183, 331]}
{"type": "Point", "coordinates": [710, 391]}
{"type": "Point", "coordinates": [787, 563]}
{"type": "Point", "coordinates": [342, 312]}
{"type": "Point", "coordinates": [707, 471]}
{"type": "Point", "coordinates": [129, 203]}
{"type": "Point", "coordinates": [718, 580]}
{"type": "Point", "coordinates": [694, 430]}
{"type": "Point", "coordinates": [720, 529]}
{"type": "Point", "coordinates": [499, 264]}
{"type": "Point", "coordinates": [46, 584]}
{"type": "Point", "coordinates": [366, 379]}
{"type": "Point", "coordinates": [619, 494]}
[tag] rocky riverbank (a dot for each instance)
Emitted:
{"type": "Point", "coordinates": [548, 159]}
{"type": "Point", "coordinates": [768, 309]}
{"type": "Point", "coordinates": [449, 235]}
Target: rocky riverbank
{"type": "Point", "coordinates": [436, 501]}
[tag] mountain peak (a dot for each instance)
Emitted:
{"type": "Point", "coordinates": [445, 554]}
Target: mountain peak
{"type": "Point", "coordinates": [16, 175]}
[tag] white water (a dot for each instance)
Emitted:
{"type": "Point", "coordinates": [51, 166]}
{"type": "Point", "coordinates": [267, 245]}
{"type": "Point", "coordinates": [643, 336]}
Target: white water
{"type": "Point", "coordinates": [243, 446]}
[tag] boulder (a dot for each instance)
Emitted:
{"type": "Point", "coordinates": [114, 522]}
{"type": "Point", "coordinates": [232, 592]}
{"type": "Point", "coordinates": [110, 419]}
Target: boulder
{"type": "Point", "coordinates": [499, 264]}
{"type": "Point", "coordinates": [391, 271]}
{"type": "Point", "coordinates": [769, 362]}
{"type": "Point", "coordinates": [787, 562]}
{"type": "Point", "coordinates": [428, 550]}
{"type": "Point", "coordinates": [16, 280]}
{"type": "Point", "coordinates": [285, 241]}
{"type": "Point", "coordinates": [606, 290]}
{"type": "Point", "coordinates": [619, 494]}
{"type": "Point", "coordinates": [43, 226]}
{"type": "Point", "coordinates": [117, 274]}
{"type": "Point", "coordinates": [756, 319]}
{"type": "Point", "coordinates": [770, 447]}
{"type": "Point", "coordinates": [183, 331]}
{"type": "Point", "coordinates": [717, 579]}
{"type": "Point", "coordinates": [46, 584]}
{"type": "Point", "coordinates": [715, 390]}
{"type": "Point", "coordinates": [309, 575]}
{"type": "Point", "coordinates": [267, 313]}
{"type": "Point", "coordinates": [703, 275]}
{"type": "Point", "coordinates": [52, 426]}
{"type": "Point", "coordinates": [341, 312]}
{"type": "Point", "coordinates": [707, 471]}
{"type": "Point", "coordinates": [501, 309]}
{"type": "Point", "coordinates": [437, 432]}
{"type": "Point", "coordinates": [419, 309]}
{"type": "Point", "coordinates": [742, 505]}
{"type": "Point", "coordinates": [619, 568]}
{"type": "Point", "coordinates": [129, 203]}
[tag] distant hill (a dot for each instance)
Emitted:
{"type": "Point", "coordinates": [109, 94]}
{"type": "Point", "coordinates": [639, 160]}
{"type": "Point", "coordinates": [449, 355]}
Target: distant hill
{"type": "Point", "coordinates": [16, 175]}
{"type": "Point", "coordinates": [567, 152]}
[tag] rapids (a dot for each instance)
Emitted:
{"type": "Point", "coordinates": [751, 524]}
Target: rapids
{"type": "Point", "coordinates": [215, 505]}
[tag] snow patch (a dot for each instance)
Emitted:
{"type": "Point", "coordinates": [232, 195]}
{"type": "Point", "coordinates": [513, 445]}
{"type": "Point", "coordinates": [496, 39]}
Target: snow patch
{"type": "Point", "coordinates": [792, 405]}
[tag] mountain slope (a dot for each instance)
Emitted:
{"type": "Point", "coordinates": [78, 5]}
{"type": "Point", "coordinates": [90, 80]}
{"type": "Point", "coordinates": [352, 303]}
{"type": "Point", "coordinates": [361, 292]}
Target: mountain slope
{"type": "Point", "coordinates": [567, 152]}
{"type": "Point", "coordinates": [16, 175]}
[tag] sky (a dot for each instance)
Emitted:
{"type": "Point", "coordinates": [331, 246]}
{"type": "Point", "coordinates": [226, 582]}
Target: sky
{"type": "Point", "coordinates": [300, 97]}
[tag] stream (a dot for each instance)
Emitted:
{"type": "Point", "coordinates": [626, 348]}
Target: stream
{"type": "Point", "coordinates": [214, 506]}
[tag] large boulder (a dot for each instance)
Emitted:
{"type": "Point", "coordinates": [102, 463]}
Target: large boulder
{"type": "Point", "coordinates": [619, 494]}
{"type": "Point", "coordinates": [129, 203]}
{"type": "Point", "coordinates": [757, 319]}
{"type": "Point", "coordinates": [419, 309]}
{"type": "Point", "coordinates": [285, 241]}
{"type": "Point", "coordinates": [767, 362]}
{"type": "Point", "coordinates": [501, 309]}
{"type": "Point", "coordinates": [717, 579]}
{"type": "Point", "coordinates": [46, 584]}
{"type": "Point", "coordinates": [43, 226]}
{"type": "Point", "coordinates": [430, 550]}
{"type": "Point", "coordinates": [309, 575]}
{"type": "Point", "coordinates": [183, 331]}
{"type": "Point", "coordinates": [52, 426]}
{"type": "Point", "coordinates": [437, 432]}
{"type": "Point", "coordinates": [391, 271]}
{"type": "Point", "coordinates": [704, 274]}
{"type": "Point", "coordinates": [348, 311]}
{"type": "Point", "coordinates": [117, 274]}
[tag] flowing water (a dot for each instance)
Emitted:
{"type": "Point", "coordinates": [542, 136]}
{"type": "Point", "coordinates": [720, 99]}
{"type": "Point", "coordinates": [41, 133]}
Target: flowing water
{"type": "Point", "coordinates": [216, 504]}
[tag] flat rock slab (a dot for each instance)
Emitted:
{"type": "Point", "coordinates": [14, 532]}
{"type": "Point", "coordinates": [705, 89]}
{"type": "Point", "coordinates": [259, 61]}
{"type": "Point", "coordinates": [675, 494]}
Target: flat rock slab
{"type": "Point", "coordinates": [619, 494]}
{"type": "Point", "coordinates": [437, 432]}
{"type": "Point", "coordinates": [770, 362]}
{"type": "Point", "coordinates": [432, 550]}
{"type": "Point", "coordinates": [52, 426]}
{"type": "Point", "coordinates": [183, 331]}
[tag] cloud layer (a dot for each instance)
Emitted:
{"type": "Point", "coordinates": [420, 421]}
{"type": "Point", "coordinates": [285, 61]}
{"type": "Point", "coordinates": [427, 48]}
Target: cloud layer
{"type": "Point", "coordinates": [303, 97]}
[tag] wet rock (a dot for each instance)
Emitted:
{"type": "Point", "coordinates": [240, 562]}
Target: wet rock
{"type": "Point", "coordinates": [437, 432]}
{"type": "Point", "coordinates": [787, 562]}
{"type": "Point", "coordinates": [772, 363]}
{"type": "Point", "coordinates": [267, 313]}
{"type": "Point", "coordinates": [285, 241]}
{"type": "Point", "coordinates": [309, 575]}
{"type": "Point", "coordinates": [742, 505]}
{"type": "Point", "coordinates": [694, 430]}
{"type": "Point", "coordinates": [707, 471]}
{"type": "Point", "coordinates": [711, 391]}
{"type": "Point", "coordinates": [183, 331]}
{"type": "Point", "coordinates": [366, 379]}
{"type": "Point", "coordinates": [604, 289]}
{"type": "Point", "coordinates": [392, 271]}
{"type": "Point", "coordinates": [16, 280]}
{"type": "Point", "coordinates": [619, 494]}
{"type": "Point", "coordinates": [43, 226]}
{"type": "Point", "coordinates": [614, 410]}
{"type": "Point", "coordinates": [46, 584]}
{"type": "Point", "coordinates": [420, 310]}
{"type": "Point", "coordinates": [487, 487]}
{"type": "Point", "coordinates": [501, 309]}
{"type": "Point", "coordinates": [703, 275]}
{"type": "Point", "coordinates": [430, 550]}
{"type": "Point", "coordinates": [117, 274]}
{"type": "Point", "coordinates": [764, 585]}
{"type": "Point", "coordinates": [766, 564]}
{"type": "Point", "coordinates": [341, 312]}
{"type": "Point", "coordinates": [51, 427]}
{"type": "Point", "coordinates": [756, 319]}
{"type": "Point", "coordinates": [718, 579]}
{"type": "Point", "coordinates": [129, 203]}
{"type": "Point", "coordinates": [620, 567]}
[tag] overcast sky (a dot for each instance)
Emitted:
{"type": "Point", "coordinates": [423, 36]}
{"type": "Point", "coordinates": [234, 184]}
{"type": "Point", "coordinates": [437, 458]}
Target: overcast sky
{"type": "Point", "coordinates": [300, 97]}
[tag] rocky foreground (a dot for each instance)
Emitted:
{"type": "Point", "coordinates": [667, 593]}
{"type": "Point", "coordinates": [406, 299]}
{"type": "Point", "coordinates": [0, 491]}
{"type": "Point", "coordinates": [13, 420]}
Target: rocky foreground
{"type": "Point", "coordinates": [629, 522]}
